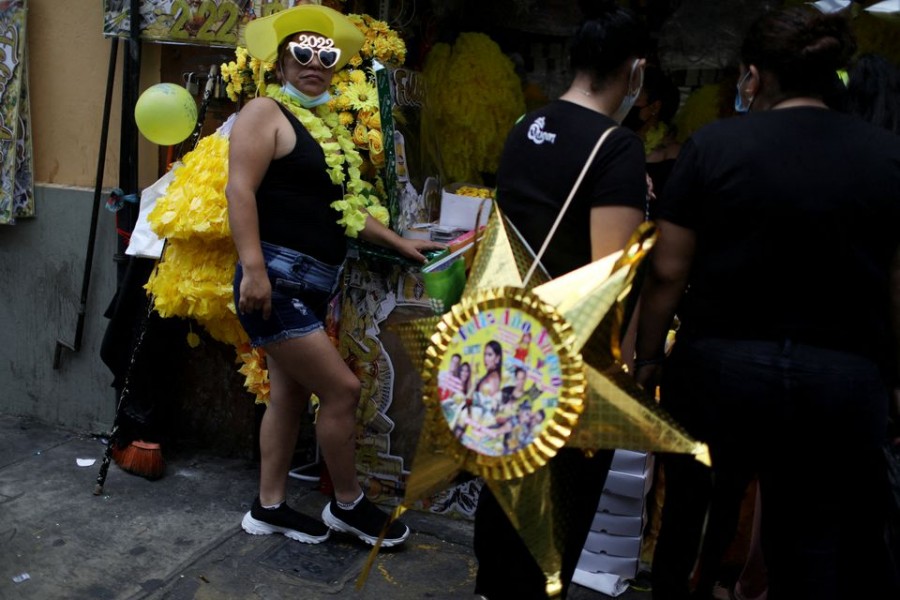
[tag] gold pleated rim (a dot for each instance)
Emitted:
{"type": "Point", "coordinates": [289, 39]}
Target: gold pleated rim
{"type": "Point", "coordinates": [473, 313]}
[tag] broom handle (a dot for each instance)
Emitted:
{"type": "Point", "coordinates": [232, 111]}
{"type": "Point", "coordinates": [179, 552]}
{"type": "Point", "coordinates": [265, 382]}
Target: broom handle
{"type": "Point", "coordinates": [126, 389]}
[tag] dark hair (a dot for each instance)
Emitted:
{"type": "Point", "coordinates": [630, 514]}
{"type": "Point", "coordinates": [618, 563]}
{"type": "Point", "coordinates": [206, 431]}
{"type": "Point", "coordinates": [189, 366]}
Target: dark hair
{"type": "Point", "coordinates": [660, 87]}
{"type": "Point", "coordinates": [873, 91]}
{"type": "Point", "coordinates": [606, 39]}
{"type": "Point", "coordinates": [468, 381]}
{"type": "Point", "coordinates": [802, 47]}
{"type": "Point", "coordinates": [495, 346]}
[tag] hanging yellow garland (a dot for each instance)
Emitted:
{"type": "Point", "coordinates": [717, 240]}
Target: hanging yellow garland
{"type": "Point", "coordinates": [340, 155]}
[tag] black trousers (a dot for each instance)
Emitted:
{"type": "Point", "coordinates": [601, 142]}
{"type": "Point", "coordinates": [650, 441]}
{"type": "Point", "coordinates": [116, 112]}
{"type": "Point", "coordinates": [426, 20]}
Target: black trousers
{"type": "Point", "coordinates": [506, 568]}
{"type": "Point", "coordinates": [809, 422]}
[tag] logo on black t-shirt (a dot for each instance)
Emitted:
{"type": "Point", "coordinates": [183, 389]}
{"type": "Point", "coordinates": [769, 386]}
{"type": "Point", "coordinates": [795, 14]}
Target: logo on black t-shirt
{"type": "Point", "coordinates": [537, 134]}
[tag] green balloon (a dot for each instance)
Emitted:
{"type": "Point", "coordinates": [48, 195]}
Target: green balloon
{"type": "Point", "coordinates": [166, 114]}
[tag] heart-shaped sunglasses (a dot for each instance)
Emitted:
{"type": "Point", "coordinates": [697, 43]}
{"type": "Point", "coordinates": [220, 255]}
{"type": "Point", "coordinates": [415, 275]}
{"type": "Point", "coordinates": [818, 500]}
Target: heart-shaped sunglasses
{"type": "Point", "coordinates": [303, 54]}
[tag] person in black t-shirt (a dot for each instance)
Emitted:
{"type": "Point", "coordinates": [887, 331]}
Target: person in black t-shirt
{"type": "Point", "coordinates": [778, 243]}
{"type": "Point", "coordinates": [873, 93]}
{"type": "Point", "coordinates": [542, 158]}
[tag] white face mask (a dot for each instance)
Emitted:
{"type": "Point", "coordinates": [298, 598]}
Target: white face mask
{"type": "Point", "coordinates": [305, 100]}
{"type": "Point", "coordinates": [630, 98]}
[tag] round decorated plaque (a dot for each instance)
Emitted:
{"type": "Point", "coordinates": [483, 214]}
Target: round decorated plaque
{"type": "Point", "coordinates": [509, 386]}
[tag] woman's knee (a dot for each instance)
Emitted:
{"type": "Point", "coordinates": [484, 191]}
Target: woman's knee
{"type": "Point", "coordinates": [343, 392]}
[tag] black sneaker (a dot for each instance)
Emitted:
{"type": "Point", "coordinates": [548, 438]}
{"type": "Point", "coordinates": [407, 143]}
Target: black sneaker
{"type": "Point", "coordinates": [284, 520]}
{"type": "Point", "coordinates": [366, 521]}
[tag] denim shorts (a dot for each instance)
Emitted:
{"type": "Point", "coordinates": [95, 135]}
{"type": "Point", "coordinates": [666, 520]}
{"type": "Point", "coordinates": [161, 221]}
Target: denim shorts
{"type": "Point", "coordinates": [301, 289]}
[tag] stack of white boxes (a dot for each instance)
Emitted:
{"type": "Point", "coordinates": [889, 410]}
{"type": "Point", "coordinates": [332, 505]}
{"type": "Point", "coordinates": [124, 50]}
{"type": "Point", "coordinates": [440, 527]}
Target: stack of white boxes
{"type": "Point", "coordinates": [613, 548]}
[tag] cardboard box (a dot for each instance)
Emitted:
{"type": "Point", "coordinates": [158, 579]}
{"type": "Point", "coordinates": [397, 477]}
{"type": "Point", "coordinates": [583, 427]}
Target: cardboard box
{"type": "Point", "coordinates": [630, 461]}
{"type": "Point", "coordinates": [617, 524]}
{"type": "Point", "coordinates": [621, 505]}
{"type": "Point", "coordinates": [614, 545]}
{"type": "Point", "coordinates": [462, 211]}
{"type": "Point", "coordinates": [626, 484]}
{"type": "Point", "coordinates": [596, 562]}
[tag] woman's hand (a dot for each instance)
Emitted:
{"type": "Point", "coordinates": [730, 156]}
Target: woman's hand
{"type": "Point", "coordinates": [376, 233]}
{"type": "Point", "coordinates": [412, 249]}
{"type": "Point", "coordinates": [255, 292]}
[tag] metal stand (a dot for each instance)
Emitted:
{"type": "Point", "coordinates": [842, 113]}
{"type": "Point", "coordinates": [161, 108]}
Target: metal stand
{"type": "Point", "coordinates": [310, 471]}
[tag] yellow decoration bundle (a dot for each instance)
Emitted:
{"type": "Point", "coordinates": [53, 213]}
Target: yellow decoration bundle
{"type": "Point", "coordinates": [474, 99]}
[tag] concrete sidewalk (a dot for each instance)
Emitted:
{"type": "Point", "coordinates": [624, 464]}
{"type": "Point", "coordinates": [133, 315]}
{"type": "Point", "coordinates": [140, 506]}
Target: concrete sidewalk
{"type": "Point", "coordinates": [180, 538]}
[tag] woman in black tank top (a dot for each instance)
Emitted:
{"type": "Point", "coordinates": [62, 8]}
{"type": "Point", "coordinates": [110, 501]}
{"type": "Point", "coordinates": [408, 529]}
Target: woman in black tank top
{"type": "Point", "coordinates": [280, 192]}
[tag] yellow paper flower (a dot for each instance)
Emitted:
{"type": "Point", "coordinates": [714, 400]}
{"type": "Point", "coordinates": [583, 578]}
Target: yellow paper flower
{"type": "Point", "coordinates": [361, 96]}
{"type": "Point", "coordinates": [194, 204]}
{"type": "Point", "coordinates": [253, 368]}
{"type": "Point", "coordinates": [360, 135]}
{"type": "Point", "coordinates": [381, 43]}
{"type": "Point", "coordinates": [356, 76]}
{"type": "Point", "coordinates": [372, 120]}
{"type": "Point", "coordinates": [376, 144]}
{"type": "Point", "coordinates": [346, 118]}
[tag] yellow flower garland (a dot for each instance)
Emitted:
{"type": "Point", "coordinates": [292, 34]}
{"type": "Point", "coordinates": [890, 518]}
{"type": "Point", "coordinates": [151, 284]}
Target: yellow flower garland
{"type": "Point", "coordinates": [325, 127]}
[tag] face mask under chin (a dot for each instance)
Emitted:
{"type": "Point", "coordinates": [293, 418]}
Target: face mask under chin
{"type": "Point", "coordinates": [305, 100]}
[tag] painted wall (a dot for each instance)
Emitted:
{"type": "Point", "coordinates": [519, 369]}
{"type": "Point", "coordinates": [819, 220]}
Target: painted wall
{"type": "Point", "coordinates": [42, 259]}
{"type": "Point", "coordinates": [41, 267]}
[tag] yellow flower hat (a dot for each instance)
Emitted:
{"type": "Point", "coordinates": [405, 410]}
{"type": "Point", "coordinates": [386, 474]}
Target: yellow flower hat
{"type": "Point", "coordinates": [264, 35]}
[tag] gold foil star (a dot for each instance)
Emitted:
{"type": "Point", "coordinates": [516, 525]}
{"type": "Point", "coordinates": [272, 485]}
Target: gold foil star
{"type": "Point", "coordinates": [521, 367]}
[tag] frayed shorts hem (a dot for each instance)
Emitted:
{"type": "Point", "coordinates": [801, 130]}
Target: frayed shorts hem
{"type": "Point", "coordinates": [283, 336]}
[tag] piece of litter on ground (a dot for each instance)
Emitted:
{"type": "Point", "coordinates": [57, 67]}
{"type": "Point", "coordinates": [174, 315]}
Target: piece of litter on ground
{"type": "Point", "coordinates": [21, 577]}
{"type": "Point", "coordinates": [85, 462]}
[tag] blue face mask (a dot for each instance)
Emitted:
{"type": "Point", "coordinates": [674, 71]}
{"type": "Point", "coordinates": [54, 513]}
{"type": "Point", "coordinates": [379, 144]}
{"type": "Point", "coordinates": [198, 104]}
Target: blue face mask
{"type": "Point", "coordinates": [304, 100]}
{"type": "Point", "coordinates": [630, 98]}
{"type": "Point", "coordinates": [739, 105]}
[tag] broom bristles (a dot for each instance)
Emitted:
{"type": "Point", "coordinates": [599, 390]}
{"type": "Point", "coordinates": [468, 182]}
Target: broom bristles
{"type": "Point", "coordinates": [140, 458]}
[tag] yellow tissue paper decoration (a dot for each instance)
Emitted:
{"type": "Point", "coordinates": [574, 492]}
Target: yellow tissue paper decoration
{"type": "Point", "coordinates": [702, 107]}
{"type": "Point", "coordinates": [474, 98]}
{"type": "Point", "coordinates": [193, 279]}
